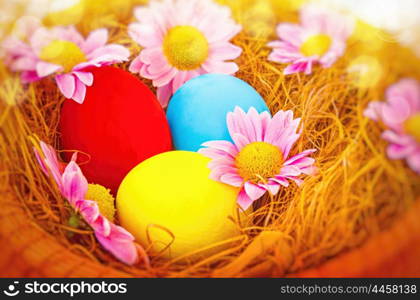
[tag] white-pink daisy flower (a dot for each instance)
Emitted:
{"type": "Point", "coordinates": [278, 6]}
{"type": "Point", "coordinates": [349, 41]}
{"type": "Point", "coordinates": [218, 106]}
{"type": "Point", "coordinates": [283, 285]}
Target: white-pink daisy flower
{"type": "Point", "coordinates": [63, 51]}
{"type": "Point", "coordinates": [258, 159]}
{"type": "Point", "coordinates": [74, 186]}
{"type": "Point", "coordinates": [401, 114]}
{"type": "Point", "coordinates": [182, 39]}
{"type": "Point", "coordinates": [14, 48]}
{"type": "Point", "coordinates": [319, 38]}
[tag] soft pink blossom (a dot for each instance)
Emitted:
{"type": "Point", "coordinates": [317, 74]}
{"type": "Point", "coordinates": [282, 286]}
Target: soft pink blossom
{"type": "Point", "coordinates": [155, 21]}
{"type": "Point", "coordinates": [14, 49]}
{"type": "Point", "coordinates": [27, 57]}
{"type": "Point", "coordinates": [73, 186]}
{"type": "Point", "coordinates": [270, 139]}
{"type": "Point", "coordinates": [314, 21]}
{"type": "Point", "coordinates": [402, 104]}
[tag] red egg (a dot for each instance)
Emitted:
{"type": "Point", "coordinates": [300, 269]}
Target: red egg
{"type": "Point", "coordinates": [119, 125]}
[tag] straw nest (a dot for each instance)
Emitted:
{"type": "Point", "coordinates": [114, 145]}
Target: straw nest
{"type": "Point", "coordinates": [360, 204]}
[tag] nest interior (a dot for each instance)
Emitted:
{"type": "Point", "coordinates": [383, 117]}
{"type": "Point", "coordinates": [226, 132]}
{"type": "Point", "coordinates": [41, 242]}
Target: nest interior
{"type": "Point", "coordinates": [357, 193]}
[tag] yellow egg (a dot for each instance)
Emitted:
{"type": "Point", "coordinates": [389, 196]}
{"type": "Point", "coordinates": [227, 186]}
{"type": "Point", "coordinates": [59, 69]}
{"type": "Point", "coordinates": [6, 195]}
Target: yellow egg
{"type": "Point", "coordinates": [170, 200]}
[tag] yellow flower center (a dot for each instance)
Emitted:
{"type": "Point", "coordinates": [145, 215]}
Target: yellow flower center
{"type": "Point", "coordinates": [63, 53]}
{"type": "Point", "coordinates": [412, 126]}
{"type": "Point", "coordinates": [317, 44]}
{"type": "Point", "coordinates": [259, 161]}
{"type": "Point", "coordinates": [103, 197]}
{"type": "Point", "coordinates": [185, 47]}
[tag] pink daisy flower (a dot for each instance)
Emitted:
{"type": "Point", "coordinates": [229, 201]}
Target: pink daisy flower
{"type": "Point", "coordinates": [320, 38]}
{"type": "Point", "coordinates": [182, 39]}
{"type": "Point", "coordinates": [401, 114]}
{"type": "Point", "coordinates": [73, 186]}
{"type": "Point", "coordinates": [14, 48]}
{"type": "Point", "coordinates": [64, 52]}
{"type": "Point", "coordinates": [258, 159]}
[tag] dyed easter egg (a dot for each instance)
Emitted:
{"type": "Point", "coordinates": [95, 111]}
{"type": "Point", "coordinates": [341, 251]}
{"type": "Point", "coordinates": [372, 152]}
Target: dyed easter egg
{"type": "Point", "coordinates": [119, 125]}
{"type": "Point", "coordinates": [171, 198]}
{"type": "Point", "coordinates": [197, 112]}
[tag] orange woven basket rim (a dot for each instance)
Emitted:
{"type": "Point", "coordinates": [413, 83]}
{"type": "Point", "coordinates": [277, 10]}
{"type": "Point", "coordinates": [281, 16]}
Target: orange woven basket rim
{"type": "Point", "coordinates": [35, 253]}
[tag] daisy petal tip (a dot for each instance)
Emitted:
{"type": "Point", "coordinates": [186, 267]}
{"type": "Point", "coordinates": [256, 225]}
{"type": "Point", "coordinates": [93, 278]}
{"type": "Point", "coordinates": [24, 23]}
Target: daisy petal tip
{"type": "Point", "coordinates": [243, 200]}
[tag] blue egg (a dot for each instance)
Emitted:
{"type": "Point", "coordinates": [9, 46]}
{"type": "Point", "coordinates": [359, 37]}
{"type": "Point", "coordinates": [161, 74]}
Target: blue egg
{"type": "Point", "coordinates": [197, 112]}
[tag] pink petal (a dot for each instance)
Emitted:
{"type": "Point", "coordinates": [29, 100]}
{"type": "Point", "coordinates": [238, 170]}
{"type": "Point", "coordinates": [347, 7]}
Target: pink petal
{"type": "Point", "coordinates": [179, 80]}
{"type": "Point", "coordinates": [225, 146]}
{"type": "Point", "coordinates": [244, 200]}
{"type": "Point", "coordinates": [280, 180]}
{"type": "Point", "coordinates": [399, 139]}
{"type": "Point", "coordinates": [224, 34]}
{"type": "Point", "coordinates": [41, 162]}
{"type": "Point", "coordinates": [254, 191]}
{"type": "Point", "coordinates": [68, 33]}
{"type": "Point", "coordinates": [373, 110]}
{"type": "Point", "coordinates": [24, 63]}
{"type": "Point", "coordinates": [123, 249]}
{"type": "Point", "coordinates": [221, 167]}
{"type": "Point", "coordinates": [287, 171]}
{"type": "Point", "coordinates": [213, 153]}
{"type": "Point", "coordinates": [95, 40]}
{"type": "Point", "coordinates": [151, 55]}
{"type": "Point", "coordinates": [256, 121]}
{"type": "Point", "coordinates": [313, 17]}
{"type": "Point", "coordinates": [303, 65]}
{"type": "Point", "coordinates": [224, 51]}
{"type": "Point", "coordinates": [166, 78]}
{"type": "Point", "coordinates": [413, 161]}
{"type": "Point", "coordinates": [156, 70]}
{"type": "Point", "coordinates": [79, 92]}
{"type": "Point", "coordinates": [395, 151]}
{"type": "Point", "coordinates": [304, 164]}
{"type": "Point", "coordinates": [136, 65]}
{"type": "Point", "coordinates": [109, 54]}
{"type": "Point", "coordinates": [85, 77]}
{"type": "Point", "coordinates": [291, 33]}
{"type": "Point", "coordinates": [51, 162]}
{"type": "Point", "coordinates": [395, 112]}
{"type": "Point", "coordinates": [272, 186]}
{"type": "Point", "coordinates": [240, 140]}
{"type": "Point", "coordinates": [221, 67]}
{"type": "Point", "coordinates": [66, 83]}
{"type": "Point", "coordinates": [89, 64]}
{"type": "Point", "coordinates": [317, 19]}
{"type": "Point", "coordinates": [284, 52]}
{"type": "Point", "coordinates": [29, 76]}
{"type": "Point", "coordinates": [232, 179]}
{"type": "Point", "coordinates": [163, 94]}
{"type": "Point", "coordinates": [308, 68]}
{"type": "Point", "coordinates": [281, 131]}
{"type": "Point", "coordinates": [101, 224]}
{"type": "Point", "coordinates": [297, 157]}
{"type": "Point", "coordinates": [248, 125]}
{"type": "Point", "coordinates": [44, 69]}
{"type": "Point", "coordinates": [74, 183]}
{"type": "Point", "coordinates": [218, 171]}
{"type": "Point", "coordinates": [40, 38]}
{"type": "Point", "coordinates": [407, 89]}
{"type": "Point", "coordinates": [89, 210]}
{"type": "Point", "coordinates": [144, 34]}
